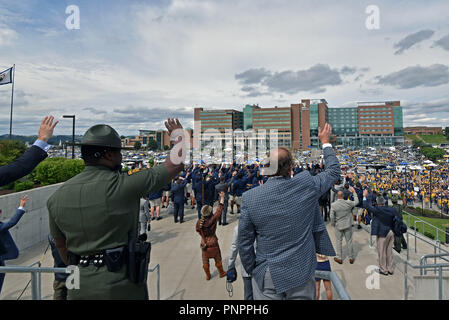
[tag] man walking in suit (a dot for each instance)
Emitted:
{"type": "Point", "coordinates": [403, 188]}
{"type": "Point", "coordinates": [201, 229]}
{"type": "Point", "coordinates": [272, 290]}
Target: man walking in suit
{"type": "Point", "coordinates": [382, 227]}
{"type": "Point", "coordinates": [283, 216]}
{"type": "Point", "coordinates": [341, 218]}
{"type": "Point", "coordinates": [31, 158]}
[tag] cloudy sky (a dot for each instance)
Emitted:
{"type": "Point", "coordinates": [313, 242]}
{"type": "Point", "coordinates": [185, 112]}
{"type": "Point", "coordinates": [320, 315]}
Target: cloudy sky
{"type": "Point", "coordinates": [134, 63]}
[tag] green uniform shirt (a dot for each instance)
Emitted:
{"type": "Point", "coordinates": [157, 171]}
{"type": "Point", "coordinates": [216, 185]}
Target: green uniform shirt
{"type": "Point", "coordinates": [96, 210]}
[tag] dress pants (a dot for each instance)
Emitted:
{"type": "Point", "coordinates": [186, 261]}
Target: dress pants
{"type": "Point", "coordinates": [385, 252]}
{"type": "Point", "coordinates": [247, 288]}
{"type": "Point", "coordinates": [224, 212]}
{"type": "Point", "coordinates": [199, 205]}
{"type": "Point", "coordinates": [268, 292]}
{"type": "Point", "coordinates": [347, 233]}
{"type": "Point", "coordinates": [179, 211]}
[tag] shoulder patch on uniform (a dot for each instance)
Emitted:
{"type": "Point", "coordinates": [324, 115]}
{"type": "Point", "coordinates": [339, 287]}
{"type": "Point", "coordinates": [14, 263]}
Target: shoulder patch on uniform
{"type": "Point", "coordinates": [131, 172]}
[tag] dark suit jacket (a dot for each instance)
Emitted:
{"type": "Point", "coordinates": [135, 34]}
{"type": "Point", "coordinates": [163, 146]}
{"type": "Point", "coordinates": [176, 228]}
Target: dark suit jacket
{"type": "Point", "coordinates": [178, 192]}
{"type": "Point", "coordinates": [6, 241]}
{"type": "Point", "coordinates": [22, 166]}
{"type": "Point", "coordinates": [382, 218]}
{"type": "Point", "coordinates": [284, 217]}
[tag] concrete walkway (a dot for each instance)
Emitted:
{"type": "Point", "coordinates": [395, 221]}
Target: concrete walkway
{"type": "Point", "coordinates": [176, 248]}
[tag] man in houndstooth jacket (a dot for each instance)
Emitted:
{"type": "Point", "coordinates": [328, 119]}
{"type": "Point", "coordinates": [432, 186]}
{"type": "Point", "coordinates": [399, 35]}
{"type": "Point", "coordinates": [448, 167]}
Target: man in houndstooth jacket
{"type": "Point", "coordinates": [283, 216]}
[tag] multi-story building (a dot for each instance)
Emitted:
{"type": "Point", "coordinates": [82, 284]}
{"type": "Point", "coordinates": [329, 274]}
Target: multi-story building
{"type": "Point", "coordinates": [160, 136]}
{"type": "Point", "coordinates": [207, 122]}
{"type": "Point", "coordinates": [368, 124]}
{"type": "Point", "coordinates": [423, 130]}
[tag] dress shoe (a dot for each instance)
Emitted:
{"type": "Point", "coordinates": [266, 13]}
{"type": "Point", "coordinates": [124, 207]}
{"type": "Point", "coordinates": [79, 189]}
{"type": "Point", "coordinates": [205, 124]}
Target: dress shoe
{"type": "Point", "coordinates": [351, 261]}
{"type": "Point", "coordinates": [381, 272]}
{"type": "Point", "coordinates": [338, 260]}
{"type": "Point", "coordinates": [225, 224]}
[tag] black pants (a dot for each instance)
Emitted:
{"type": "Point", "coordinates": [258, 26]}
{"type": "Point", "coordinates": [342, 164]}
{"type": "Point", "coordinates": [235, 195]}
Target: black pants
{"type": "Point", "coordinates": [325, 212]}
{"type": "Point", "coordinates": [224, 212]}
{"type": "Point", "coordinates": [179, 211]}
{"type": "Point", "coordinates": [399, 242]}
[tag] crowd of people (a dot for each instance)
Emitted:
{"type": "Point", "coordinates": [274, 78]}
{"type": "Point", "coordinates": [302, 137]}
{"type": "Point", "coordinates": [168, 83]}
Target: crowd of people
{"type": "Point", "coordinates": [279, 249]}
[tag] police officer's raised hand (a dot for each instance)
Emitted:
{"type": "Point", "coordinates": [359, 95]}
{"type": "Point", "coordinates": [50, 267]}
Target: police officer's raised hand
{"type": "Point", "coordinates": [172, 124]}
{"type": "Point", "coordinates": [46, 128]}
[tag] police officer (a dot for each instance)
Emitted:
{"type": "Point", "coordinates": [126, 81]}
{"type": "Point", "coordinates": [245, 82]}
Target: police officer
{"type": "Point", "coordinates": [93, 217]}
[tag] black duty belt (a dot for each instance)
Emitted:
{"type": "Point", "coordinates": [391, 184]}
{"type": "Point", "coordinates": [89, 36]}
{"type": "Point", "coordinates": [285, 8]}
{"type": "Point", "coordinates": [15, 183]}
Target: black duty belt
{"type": "Point", "coordinates": [97, 260]}
{"type": "Point", "coordinates": [114, 259]}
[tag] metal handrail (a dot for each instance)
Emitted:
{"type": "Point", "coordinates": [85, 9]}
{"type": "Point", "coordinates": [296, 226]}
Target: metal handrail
{"type": "Point", "coordinates": [423, 260]}
{"type": "Point", "coordinates": [435, 244]}
{"type": "Point", "coordinates": [158, 280]}
{"type": "Point", "coordinates": [335, 280]}
{"type": "Point", "coordinates": [418, 220]}
{"type": "Point", "coordinates": [36, 288]}
{"type": "Point", "coordinates": [440, 267]}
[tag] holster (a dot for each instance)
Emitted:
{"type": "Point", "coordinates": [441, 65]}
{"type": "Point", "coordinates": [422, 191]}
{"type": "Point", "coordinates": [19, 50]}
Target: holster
{"type": "Point", "coordinates": [72, 259]}
{"type": "Point", "coordinates": [115, 258]}
{"type": "Point", "coordinates": [138, 260]}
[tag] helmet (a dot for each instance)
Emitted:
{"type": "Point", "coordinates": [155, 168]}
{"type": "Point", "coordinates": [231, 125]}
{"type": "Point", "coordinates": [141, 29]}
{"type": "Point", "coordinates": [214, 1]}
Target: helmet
{"type": "Point", "coordinates": [102, 135]}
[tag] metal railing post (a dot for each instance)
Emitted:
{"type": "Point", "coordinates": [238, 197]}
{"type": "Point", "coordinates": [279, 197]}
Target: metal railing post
{"type": "Point", "coordinates": [435, 259]}
{"type": "Point", "coordinates": [34, 286]}
{"type": "Point", "coordinates": [440, 284]}
{"type": "Point", "coordinates": [415, 235]}
{"type": "Point", "coordinates": [405, 281]}
{"type": "Point", "coordinates": [39, 281]}
{"type": "Point", "coordinates": [158, 282]}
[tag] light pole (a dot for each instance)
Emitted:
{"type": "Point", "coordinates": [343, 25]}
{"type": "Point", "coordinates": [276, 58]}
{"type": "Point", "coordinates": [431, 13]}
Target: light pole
{"type": "Point", "coordinates": [73, 133]}
{"type": "Point", "coordinates": [430, 168]}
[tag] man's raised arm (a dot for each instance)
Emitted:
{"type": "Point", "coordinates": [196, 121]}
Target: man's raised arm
{"type": "Point", "coordinates": [32, 157]}
{"type": "Point", "coordinates": [325, 180]}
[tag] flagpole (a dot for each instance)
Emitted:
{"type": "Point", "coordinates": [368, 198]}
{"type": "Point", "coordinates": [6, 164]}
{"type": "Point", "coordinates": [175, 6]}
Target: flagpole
{"type": "Point", "coordinates": [12, 101]}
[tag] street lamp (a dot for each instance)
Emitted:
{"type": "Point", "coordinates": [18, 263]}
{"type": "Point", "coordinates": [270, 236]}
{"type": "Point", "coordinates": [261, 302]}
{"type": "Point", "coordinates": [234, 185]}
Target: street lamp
{"type": "Point", "coordinates": [73, 133]}
{"type": "Point", "coordinates": [430, 168]}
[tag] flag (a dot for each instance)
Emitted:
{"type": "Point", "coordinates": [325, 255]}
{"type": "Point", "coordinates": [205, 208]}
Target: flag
{"type": "Point", "coordinates": [6, 76]}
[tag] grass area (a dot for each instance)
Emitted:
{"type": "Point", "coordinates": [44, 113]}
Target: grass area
{"type": "Point", "coordinates": [435, 139]}
{"type": "Point", "coordinates": [412, 137]}
{"type": "Point", "coordinates": [426, 229]}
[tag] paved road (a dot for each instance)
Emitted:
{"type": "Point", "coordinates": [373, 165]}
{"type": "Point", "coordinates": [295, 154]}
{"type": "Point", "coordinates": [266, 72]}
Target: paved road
{"type": "Point", "coordinates": [176, 248]}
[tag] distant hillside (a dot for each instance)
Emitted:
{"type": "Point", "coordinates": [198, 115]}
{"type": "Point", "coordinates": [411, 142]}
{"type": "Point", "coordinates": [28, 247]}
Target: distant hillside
{"type": "Point", "coordinates": [434, 139]}
{"type": "Point", "coordinates": [30, 139]}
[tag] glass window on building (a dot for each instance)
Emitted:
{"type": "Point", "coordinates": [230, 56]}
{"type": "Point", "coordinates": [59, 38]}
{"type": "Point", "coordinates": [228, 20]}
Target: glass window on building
{"type": "Point", "coordinates": [313, 120]}
{"type": "Point", "coordinates": [398, 121]}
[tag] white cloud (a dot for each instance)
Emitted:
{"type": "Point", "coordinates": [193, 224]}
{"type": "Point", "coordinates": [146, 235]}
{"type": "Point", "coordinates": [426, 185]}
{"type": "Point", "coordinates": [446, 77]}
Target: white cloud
{"type": "Point", "coordinates": [188, 53]}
